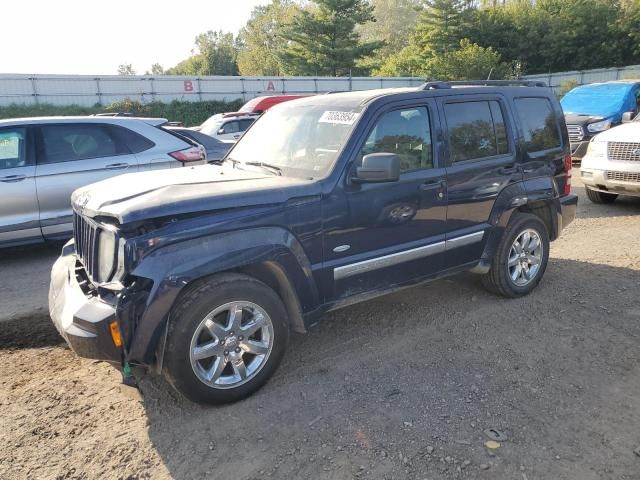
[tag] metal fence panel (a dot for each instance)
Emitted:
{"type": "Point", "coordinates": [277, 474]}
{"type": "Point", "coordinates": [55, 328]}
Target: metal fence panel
{"type": "Point", "coordinates": [87, 90]}
{"type": "Point", "coordinates": [582, 77]}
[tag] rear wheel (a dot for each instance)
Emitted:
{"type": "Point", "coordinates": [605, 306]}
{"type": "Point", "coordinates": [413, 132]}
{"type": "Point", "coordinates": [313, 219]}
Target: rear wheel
{"type": "Point", "coordinates": [521, 258]}
{"type": "Point", "coordinates": [227, 337]}
{"type": "Point", "coordinates": [600, 197]}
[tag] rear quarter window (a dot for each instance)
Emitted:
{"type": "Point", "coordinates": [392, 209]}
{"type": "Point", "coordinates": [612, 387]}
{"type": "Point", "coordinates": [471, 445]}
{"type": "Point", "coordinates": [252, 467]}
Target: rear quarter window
{"type": "Point", "coordinates": [539, 124]}
{"type": "Point", "coordinates": [134, 142]}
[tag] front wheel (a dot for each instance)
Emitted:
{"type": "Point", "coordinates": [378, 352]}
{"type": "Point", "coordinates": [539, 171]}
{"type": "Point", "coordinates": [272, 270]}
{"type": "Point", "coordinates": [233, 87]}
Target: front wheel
{"type": "Point", "coordinates": [227, 337]}
{"type": "Point", "coordinates": [521, 258]}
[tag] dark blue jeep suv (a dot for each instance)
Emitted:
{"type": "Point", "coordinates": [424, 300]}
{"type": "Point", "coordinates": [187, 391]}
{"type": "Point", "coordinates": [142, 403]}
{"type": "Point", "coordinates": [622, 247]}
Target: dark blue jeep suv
{"type": "Point", "coordinates": [326, 201]}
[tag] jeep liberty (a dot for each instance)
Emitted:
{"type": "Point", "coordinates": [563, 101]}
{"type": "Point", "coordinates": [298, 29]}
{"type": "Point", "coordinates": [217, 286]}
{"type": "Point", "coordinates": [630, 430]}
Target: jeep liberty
{"type": "Point", "coordinates": [202, 272]}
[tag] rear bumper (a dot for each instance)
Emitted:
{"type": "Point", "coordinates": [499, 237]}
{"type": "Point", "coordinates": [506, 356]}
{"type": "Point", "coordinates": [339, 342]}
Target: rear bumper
{"type": "Point", "coordinates": [82, 320]}
{"type": "Point", "coordinates": [568, 207]}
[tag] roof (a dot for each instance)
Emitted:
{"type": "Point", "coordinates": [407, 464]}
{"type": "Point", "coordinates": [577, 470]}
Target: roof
{"type": "Point", "coordinates": [82, 119]}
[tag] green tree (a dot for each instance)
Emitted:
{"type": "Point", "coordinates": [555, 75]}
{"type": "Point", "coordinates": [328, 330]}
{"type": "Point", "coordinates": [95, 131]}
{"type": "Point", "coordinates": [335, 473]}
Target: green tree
{"type": "Point", "coordinates": [126, 69]}
{"type": "Point", "coordinates": [394, 22]}
{"type": "Point", "coordinates": [440, 27]}
{"type": "Point", "coordinates": [468, 62]}
{"type": "Point", "coordinates": [261, 39]}
{"type": "Point", "coordinates": [322, 39]}
{"type": "Point", "coordinates": [215, 54]}
{"type": "Point", "coordinates": [156, 69]}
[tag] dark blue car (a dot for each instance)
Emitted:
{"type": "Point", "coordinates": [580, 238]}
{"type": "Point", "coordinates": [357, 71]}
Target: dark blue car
{"type": "Point", "coordinates": [325, 201]}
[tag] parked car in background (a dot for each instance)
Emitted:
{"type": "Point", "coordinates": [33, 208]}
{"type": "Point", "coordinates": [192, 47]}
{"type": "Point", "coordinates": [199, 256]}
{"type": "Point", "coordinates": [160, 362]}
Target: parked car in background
{"type": "Point", "coordinates": [611, 166]}
{"type": "Point", "coordinates": [325, 202]}
{"type": "Point", "coordinates": [43, 160]}
{"type": "Point", "coordinates": [216, 149]}
{"type": "Point", "coordinates": [260, 105]}
{"type": "Point", "coordinates": [594, 108]}
{"type": "Point", "coordinates": [227, 126]}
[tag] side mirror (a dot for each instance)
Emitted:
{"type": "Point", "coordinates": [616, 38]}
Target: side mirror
{"type": "Point", "coordinates": [627, 117]}
{"type": "Point", "coordinates": [378, 167]}
{"type": "Point", "coordinates": [221, 131]}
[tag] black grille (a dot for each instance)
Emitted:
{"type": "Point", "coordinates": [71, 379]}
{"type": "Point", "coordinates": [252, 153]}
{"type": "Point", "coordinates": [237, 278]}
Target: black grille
{"type": "Point", "coordinates": [576, 133]}
{"type": "Point", "coordinates": [85, 234]}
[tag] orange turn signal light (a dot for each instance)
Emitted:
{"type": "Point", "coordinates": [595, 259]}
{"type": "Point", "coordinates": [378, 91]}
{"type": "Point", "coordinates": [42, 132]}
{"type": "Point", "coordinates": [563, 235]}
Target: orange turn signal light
{"type": "Point", "coordinates": [116, 336]}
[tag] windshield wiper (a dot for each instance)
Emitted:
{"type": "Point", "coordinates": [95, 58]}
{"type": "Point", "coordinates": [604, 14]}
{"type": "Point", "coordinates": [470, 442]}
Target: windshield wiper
{"type": "Point", "coordinates": [277, 169]}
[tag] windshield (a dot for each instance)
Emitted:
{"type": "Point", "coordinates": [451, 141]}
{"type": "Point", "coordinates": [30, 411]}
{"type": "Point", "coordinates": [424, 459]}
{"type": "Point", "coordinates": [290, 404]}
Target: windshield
{"type": "Point", "coordinates": [212, 125]}
{"type": "Point", "coordinates": [602, 100]}
{"type": "Point", "coordinates": [301, 140]}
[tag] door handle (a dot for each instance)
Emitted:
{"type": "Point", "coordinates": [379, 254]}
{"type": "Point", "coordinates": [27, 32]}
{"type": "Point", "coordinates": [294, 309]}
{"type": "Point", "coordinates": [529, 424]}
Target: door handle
{"type": "Point", "coordinates": [432, 185]}
{"type": "Point", "coordinates": [117, 166]}
{"type": "Point", "coordinates": [508, 170]}
{"type": "Point", "coordinates": [13, 178]}
{"type": "Point", "coordinates": [236, 136]}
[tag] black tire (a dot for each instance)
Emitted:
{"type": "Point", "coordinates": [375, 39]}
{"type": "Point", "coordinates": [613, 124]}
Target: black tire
{"type": "Point", "coordinates": [600, 197]}
{"type": "Point", "coordinates": [188, 313]}
{"type": "Point", "coordinates": [498, 280]}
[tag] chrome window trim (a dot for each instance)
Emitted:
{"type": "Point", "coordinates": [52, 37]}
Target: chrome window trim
{"type": "Point", "coordinates": [365, 266]}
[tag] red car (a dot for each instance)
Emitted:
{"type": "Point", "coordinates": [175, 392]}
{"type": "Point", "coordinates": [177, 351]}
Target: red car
{"type": "Point", "coordinates": [262, 104]}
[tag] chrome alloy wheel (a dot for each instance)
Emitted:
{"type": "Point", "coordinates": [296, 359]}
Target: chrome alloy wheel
{"type": "Point", "coordinates": [231, 344]}
{"type": "Point", "coordinates": [525, 257]}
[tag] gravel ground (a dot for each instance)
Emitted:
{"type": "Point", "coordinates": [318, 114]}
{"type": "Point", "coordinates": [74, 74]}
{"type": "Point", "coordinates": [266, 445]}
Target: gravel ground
{"type": "Point", "coordinates": [403, 386]}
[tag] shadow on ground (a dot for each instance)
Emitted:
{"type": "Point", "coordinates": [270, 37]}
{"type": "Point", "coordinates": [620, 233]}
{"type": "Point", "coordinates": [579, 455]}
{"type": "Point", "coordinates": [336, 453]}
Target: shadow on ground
{"type": "Point", "coordinates": [403, 387]}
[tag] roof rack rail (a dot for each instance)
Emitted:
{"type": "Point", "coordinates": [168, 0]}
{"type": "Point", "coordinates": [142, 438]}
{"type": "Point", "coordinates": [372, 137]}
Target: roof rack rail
{"type": "Point", "coordinates": [482, 83]}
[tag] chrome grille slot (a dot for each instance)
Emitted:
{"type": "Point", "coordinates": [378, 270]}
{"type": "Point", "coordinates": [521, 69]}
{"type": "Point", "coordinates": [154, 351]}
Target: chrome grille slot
{"type": "Point", "coordinates": [623, 151]}
{"type": "Point", "coordinates": [576, 133]}
{"type": "Point", "coordinates": [623, 177]}
{"type": "Point", "coordinates": [85, 234]}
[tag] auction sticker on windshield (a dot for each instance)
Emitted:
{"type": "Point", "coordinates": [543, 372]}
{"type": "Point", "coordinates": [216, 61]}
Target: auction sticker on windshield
{"type": "Point", "coordinates": [343, 118]}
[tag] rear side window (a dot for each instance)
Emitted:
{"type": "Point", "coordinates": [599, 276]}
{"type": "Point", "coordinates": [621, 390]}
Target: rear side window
{"type": "Point", "coordinates": [72, 142]}
{"type": "Point", "coordinates": [476, 130]}
{"type": "Point", "coordinates": [13, 148]}
{"type": "Point", "coordinates": [135, 142]}
{"type": "Point", "coordinates": [539, 124]}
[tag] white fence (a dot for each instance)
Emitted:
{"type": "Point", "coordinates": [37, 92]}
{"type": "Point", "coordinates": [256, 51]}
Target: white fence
{"type": "Point", "coordinates": [582, 77]}
{"type": "Point", "coordinates": [87, 90]}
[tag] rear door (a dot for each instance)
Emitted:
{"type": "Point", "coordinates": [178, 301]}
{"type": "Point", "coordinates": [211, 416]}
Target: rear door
{"type": "Point", "coordinates": [481, 162]}
{"type": "Point", "coordinates": [19, 206]}
{"type": "Point", "coordinates": [70, 156]}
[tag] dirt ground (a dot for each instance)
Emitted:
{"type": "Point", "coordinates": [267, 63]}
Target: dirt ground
{"type": "Point", "coordinates": [400, 387]}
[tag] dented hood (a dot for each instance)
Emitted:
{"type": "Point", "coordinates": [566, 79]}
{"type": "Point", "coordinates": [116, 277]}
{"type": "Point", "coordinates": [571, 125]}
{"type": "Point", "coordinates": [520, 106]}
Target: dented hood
{"type": "Point", "coordinates": [139, 196]}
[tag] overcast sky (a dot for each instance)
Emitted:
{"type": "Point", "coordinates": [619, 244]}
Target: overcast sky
{"type": "Point", "coordinates": [95, 36]}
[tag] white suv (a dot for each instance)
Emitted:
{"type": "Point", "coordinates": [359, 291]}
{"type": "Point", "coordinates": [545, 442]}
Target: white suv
{"type": "Point", "coordinates": [43, 160]}
{"type": "Point", "coordinates": [611, 166]}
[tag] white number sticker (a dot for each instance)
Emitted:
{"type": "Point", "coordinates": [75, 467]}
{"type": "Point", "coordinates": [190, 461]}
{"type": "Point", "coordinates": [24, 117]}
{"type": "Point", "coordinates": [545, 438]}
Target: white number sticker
{"type": "Point", "coordinates": [342, 118]}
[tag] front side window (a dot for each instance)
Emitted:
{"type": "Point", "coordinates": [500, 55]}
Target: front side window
{"type": "Point", "coordinates": [540, 127]}
{"type": "Point", "coordinates": [244, 124]}
{"type": "Point", "coordinates": [12, 148]}
{"type": "Point", "coordinates": [407, 133]}
{"type": "Point", "coordinates": [72, 142]}
{"type": "Point", "coordinates": [476, 130]}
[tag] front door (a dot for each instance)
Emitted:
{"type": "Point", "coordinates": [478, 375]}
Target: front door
{"type": "Point", "coordinates": [379, 235]}
{"type": "Point", "coordinates": [71, 156]}
{"type": "Point", "coordinates": [19, 206]}
{"type": "Point", "coordinates": [481, 162]}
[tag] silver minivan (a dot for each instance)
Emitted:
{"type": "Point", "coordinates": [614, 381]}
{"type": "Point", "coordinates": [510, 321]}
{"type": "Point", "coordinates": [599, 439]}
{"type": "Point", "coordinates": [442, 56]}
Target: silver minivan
{"type": "Point", "coordinates": [43, 160]}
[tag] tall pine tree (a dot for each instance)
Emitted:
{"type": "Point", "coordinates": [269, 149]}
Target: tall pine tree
{"type": "Point", "coordinates": [322, 39]}
{"type": "Point", "coordinates": [440, 27]}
